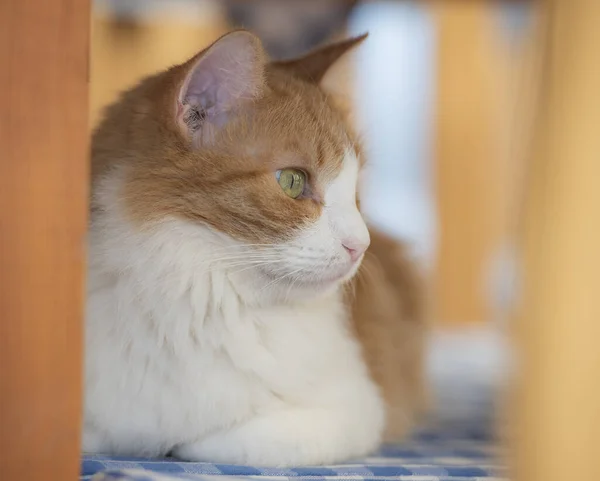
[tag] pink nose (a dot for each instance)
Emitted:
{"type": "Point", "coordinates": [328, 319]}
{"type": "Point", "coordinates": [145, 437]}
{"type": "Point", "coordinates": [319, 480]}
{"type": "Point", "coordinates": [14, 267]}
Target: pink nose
{"type": "Point", "coordinates": [355, 249]}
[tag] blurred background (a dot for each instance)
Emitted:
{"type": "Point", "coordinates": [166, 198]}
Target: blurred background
{"type": "Point", "coordinates": [433, 92]}
{"type": "Point", "coordinates": [455, 100]}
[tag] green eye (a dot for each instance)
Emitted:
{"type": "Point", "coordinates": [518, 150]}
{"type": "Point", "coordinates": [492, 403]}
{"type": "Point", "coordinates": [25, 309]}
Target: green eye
{"type": "Point", "coordinates": [291, 181]}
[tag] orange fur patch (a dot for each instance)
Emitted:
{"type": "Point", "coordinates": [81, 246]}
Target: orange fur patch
{"type": "Point", "coordinates": [390, 320]}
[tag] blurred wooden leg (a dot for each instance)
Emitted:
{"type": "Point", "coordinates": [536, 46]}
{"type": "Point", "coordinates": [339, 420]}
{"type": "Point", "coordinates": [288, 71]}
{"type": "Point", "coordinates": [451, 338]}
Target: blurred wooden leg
{"type": "Point", "coordinates": [43, 206]}
{"type": "Point", "coordinates": [469, 158]}
{"type": "Point", "coordinates": [557, 420]}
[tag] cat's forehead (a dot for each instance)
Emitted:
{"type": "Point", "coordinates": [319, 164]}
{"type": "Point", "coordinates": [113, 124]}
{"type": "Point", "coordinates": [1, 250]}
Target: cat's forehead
{"type": "Point", "coordinates": [295, 126]}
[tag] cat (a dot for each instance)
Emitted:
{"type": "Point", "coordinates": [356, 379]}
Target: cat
{"type": "Point", "coordinates": [224, 319]}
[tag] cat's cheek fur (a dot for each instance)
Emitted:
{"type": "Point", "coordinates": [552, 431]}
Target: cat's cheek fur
{"type": "Point", "coordinates": [315, 259]}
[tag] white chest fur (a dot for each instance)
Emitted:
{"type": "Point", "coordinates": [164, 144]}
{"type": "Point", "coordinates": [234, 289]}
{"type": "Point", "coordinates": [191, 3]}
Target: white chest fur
{"type": "Point", "coordinates": [175, 361]}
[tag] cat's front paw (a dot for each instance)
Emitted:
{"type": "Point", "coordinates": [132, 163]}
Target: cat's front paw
{"type": "Point", "coordinates": [289, 438]}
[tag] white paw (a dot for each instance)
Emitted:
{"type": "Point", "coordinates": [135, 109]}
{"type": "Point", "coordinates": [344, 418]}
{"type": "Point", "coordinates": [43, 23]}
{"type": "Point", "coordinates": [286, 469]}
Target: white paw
{"type": "Point", "coordinates": [287, 438]}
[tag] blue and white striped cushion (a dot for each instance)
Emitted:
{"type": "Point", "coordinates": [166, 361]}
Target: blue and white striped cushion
{"type": "Point", "coordinates": [456, 452]}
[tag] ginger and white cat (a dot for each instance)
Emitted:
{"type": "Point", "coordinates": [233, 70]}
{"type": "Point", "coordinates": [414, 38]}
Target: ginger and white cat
{"type": "Point", "coordinates": [224, 232]}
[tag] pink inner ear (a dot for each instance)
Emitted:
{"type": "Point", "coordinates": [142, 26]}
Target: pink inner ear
{"type": "Point", "coordinates": [230, 72]}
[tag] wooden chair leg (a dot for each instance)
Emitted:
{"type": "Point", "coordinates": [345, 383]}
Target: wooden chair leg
{"type": "Point", "coordinates": [470, 171]}
{"type": "Point", "coordinates": [44, 48]}
{"type": "Point", "coordinates": [556, 426]}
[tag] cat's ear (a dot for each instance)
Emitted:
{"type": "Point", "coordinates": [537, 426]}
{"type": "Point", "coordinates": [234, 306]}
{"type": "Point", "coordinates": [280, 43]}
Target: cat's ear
{"type": "Point", "coordinates": [219, 81]}
{"type": "Point", "coordinates": [313, 66]}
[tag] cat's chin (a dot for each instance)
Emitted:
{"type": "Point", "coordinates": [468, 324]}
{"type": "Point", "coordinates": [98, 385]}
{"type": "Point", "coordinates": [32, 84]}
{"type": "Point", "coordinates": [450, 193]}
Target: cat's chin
{"type": "Point", "coordinates": [307, 287]}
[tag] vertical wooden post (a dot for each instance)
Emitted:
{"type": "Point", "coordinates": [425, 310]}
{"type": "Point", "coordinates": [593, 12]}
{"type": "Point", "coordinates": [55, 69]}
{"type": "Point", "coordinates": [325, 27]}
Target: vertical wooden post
{"type": "Point", "coordinates": [556, 426]}
{"type": "Point", "coordinates": [44, 48]}
{"type": "Point", "coordinates": [469, 158]}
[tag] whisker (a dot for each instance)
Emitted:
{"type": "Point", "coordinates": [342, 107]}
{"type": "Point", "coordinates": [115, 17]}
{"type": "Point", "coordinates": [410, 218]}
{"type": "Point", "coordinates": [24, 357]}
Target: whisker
{"type": "Point", "coordinates": [258, 264]}
{"type": "Point", "coordinates": [281, 278]}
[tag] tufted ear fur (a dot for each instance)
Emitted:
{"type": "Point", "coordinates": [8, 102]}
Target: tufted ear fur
{"type": "Point", "coordinates": [220, 80]}
{"type": "Point", "coordinates": [313, 66]}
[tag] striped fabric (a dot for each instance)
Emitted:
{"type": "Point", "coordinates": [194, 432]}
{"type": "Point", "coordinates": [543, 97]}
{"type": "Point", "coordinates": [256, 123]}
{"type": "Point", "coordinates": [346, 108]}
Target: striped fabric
{"type": "Point", "coordinates": [449, 452]}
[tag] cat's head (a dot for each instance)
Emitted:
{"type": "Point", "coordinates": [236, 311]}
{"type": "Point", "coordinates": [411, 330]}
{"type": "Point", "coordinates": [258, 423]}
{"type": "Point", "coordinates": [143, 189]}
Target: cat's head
{"type": "Point", "coordinates": [245, 159]}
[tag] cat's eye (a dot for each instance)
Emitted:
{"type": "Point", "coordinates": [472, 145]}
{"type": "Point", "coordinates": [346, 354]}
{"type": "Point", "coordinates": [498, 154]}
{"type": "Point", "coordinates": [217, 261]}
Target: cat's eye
{"type": "Point", "coordinates": [291, 181]}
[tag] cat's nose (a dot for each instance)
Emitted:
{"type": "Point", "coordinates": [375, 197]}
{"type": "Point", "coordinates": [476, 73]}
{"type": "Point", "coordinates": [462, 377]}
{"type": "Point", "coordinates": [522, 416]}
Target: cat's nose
{"type": "Point", "coordinates": [355, 248]}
